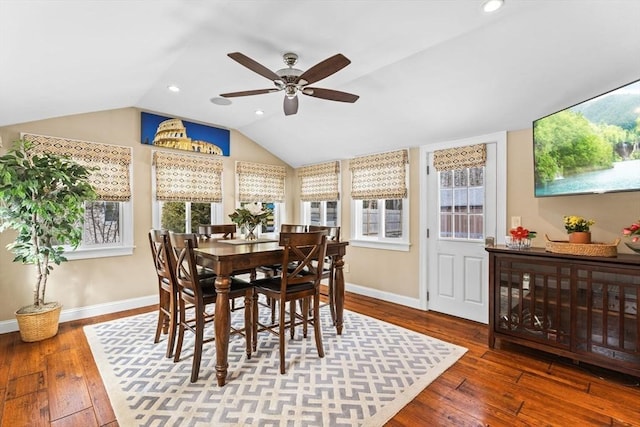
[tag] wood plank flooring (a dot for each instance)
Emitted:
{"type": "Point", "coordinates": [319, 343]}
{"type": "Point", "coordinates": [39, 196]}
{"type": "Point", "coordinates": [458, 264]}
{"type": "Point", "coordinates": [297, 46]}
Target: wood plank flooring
{"type": "Point", "coordinates": [56, 382]}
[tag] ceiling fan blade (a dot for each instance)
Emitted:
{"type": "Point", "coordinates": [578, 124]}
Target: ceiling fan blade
{"type": "Point", "coordinates": [254, 66]}
{"type": "Point", "coordinates": [248, 92]}
{"type": "Point", "coordinates": [332, 95]}
{"type": "Point", "coordinates": [290, 105]}
{"type": "Point", "coordinates": [324, 69]}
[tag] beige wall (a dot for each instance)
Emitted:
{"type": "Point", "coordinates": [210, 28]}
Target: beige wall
{"type": "Point", "coordinates": [108, 280]}
{"type": "Point", "coordinates": [611, 212]}
{"type": "Point", "coordinates": [389, 271]}
{"type": "Point", "coordinates": [91, 282]}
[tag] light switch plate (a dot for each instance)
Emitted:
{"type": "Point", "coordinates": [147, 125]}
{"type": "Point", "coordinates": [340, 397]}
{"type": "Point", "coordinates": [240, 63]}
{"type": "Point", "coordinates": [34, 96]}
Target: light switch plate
{"type": "Point", "coordinates": [516, 221]}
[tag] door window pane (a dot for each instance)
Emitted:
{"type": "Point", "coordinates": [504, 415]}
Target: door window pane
{"type": "Point", "coordinates": [462, 203]}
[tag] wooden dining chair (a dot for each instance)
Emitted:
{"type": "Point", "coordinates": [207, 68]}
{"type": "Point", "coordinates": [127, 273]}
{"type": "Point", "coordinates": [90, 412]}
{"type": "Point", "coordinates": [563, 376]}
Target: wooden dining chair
{"type": "Point", "coordinates": [328, 272]}
{"type": "Point", "coordinates": [199, 294]}
{"type": "Point", "coordinates": [167, 291]}
{"type": "Point", "coordinates": [224, 231]}
{"type": "Point", "coordinates": [272, 270]}
{"type": "Point", "coordinates": [307, 251]}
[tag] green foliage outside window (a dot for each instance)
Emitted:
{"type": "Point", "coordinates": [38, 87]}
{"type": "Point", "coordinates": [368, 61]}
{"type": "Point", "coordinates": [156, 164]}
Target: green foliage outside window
{"type": "Point", "coordinates": [174, 216]}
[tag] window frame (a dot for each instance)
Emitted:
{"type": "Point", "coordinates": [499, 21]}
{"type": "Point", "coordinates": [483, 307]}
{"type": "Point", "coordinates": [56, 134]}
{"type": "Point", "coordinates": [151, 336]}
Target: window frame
{"type": "Point", "coordinates": [305, 208]}
{"type": "Point", "coordinates": [402, 243]}
{"type": "Point", "coordinates": [217, 211]}
{"type": "Point", "coordinates": [125, 247]}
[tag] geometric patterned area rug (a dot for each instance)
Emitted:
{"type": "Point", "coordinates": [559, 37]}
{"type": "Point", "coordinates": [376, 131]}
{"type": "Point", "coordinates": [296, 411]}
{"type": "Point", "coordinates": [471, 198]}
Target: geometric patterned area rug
{"type": "Point", "coordinates": [367, 375]}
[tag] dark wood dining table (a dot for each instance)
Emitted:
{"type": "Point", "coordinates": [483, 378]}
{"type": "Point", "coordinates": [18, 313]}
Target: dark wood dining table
{"type": "Point", "coordinates": [227, 257]}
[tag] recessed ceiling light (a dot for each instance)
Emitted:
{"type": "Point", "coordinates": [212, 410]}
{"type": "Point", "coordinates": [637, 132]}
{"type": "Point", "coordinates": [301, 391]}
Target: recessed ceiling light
{"type": "Point", "coordinates": [173, 88]}
{"type": "Point", "coordinates": [259, 112]}
{"type": "Point", "coordinates": [492, 5]}
{"type": "Point", "coordinates": [220, 101]}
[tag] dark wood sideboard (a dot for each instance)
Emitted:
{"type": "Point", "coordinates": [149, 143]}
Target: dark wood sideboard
{"type": "Point", "coordinates": [581, 307]}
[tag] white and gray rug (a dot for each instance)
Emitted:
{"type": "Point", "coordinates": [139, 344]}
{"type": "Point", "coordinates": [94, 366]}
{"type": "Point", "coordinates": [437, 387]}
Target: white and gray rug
{"type": "Point", "coordinates": [367, 375]}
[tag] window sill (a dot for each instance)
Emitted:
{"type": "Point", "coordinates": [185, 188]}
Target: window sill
{"type": "Point", "coordinates": [389, 246]}
{"type": "Point", "coordinates": [99, 253]}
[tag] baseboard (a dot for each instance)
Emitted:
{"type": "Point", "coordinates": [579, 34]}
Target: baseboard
{"type": "Point", "coordinates": [383, 295]}
{"type": "Point", "coordinates": [113, 307]}
{"type": "Point", "coordinates": [90, 311]}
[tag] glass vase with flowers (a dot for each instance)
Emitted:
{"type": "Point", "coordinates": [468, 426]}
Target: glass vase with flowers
{"type": "Point", "coordinates": [519, 238]}
{"type": "Point", "coordinates": [578, 228]}
{"type": "Point", "coordinates": [633, 233]}
{"type": "Point", "coordinates": [250, 216]}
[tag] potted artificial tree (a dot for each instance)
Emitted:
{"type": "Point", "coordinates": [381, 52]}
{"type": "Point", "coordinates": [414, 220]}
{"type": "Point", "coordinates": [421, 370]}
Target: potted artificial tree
{"type": "Point", "coordinates": [42, 198]}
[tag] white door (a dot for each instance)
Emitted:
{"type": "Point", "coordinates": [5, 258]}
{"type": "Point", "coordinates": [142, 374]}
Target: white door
{"type": "Point", "coordinates": [461, 211]}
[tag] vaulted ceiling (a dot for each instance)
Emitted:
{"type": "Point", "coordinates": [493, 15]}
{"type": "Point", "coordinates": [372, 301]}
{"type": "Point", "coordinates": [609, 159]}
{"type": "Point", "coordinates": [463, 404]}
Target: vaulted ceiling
{"type": "Point", "coordinates": [426, 71]}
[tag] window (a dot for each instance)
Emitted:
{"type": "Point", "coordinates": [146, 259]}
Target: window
{"type": "Point", "coordinates": [461, 181]}
{"type": "Point", "coordinates": [101, 223]}
{"type": "Point", "coordinates": [321, 213]}
{"type": "Point", "coordinates": [108, 225]}
{"type": "Point", "coordinates": [380, 205]}
{"type": "Point", "coordinates": [181, 216]}
{"type": "Point", "coordinates": [188, 191]}
{"type": "Point", "coordinates": [319, 193]}
{"type": "Point", "coordinates": [257, 182]}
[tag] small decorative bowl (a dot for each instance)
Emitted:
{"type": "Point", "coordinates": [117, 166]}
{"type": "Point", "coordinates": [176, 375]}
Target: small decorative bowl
{"type": "Point", "coordinates": [514, 243]}
{"type": "Point", "coordinates": [634, 246]}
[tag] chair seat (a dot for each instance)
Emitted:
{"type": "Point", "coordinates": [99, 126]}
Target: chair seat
{"type": "Point", "coordinates": [273, 284]}
{"type": "Point", "coordinates": [238, 286]}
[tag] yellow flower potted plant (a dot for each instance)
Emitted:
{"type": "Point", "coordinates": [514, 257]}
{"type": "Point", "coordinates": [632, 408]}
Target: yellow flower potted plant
{"type": "Point", "coordinates": [578, 228]}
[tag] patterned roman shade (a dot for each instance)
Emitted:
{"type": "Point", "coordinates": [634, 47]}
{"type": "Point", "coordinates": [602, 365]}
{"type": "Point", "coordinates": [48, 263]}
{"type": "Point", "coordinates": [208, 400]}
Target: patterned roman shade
{"type": "Point", "coordinates": [112, 178]}
{"type": "Point", "coordinates": [470, 156]}
{"type": "Point", "coordinates": [319, 182]}
{"type": "Point", "coordinates": [379, 176]}
{"type": "Point", "coordinates": [186, 178]}
{"type": "Point", "coordinates": [258, 182]}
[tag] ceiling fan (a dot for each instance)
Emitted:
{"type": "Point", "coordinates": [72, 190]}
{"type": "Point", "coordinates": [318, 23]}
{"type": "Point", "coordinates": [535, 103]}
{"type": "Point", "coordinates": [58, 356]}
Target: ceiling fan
{"type": "Point", "coordinates": [293, 80]}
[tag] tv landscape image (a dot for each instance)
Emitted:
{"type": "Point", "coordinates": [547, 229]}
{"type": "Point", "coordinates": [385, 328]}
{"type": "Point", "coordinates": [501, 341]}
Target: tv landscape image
{"type": "Point", "coordinates": [592, 147]}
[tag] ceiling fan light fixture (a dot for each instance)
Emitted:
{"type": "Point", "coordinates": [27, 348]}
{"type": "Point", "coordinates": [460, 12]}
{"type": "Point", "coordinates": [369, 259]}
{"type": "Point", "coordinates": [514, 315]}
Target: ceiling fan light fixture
{"type": "Point", "coordinates": [292, 80]}
{"type": "Point", "coordinates": [290, 91]}
{"type": "Point", "coordinates": [492, 5]}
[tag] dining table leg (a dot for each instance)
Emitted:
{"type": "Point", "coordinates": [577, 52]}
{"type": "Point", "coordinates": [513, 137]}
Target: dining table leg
{"type": "Point", "coordinates": [222, 326]}
{"type": "Point", "coordinates": [338, 292]}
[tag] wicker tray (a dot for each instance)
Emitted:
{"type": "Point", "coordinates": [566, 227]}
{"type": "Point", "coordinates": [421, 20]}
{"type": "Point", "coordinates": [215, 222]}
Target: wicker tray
{"type": "Point", "coordinates": [587, 249]}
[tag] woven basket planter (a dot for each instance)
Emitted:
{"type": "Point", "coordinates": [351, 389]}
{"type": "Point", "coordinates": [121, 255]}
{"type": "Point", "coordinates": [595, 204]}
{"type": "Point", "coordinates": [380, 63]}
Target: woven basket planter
{"type": "Point", "coordinates": [586, 249]}
{"type": "Point", "coordinates": [40, 325]}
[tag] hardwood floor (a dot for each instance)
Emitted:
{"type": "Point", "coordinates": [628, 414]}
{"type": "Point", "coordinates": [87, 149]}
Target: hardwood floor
{"type": "Point", "coordinates": [56, 383]}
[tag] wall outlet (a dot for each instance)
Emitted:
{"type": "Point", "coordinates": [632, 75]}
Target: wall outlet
{"type": "Point", "coordinates": [345, 268]}
{"type": "Point", "coordinates": [525, 281]}
{"type": "Point", "coordinates": [516, 221]}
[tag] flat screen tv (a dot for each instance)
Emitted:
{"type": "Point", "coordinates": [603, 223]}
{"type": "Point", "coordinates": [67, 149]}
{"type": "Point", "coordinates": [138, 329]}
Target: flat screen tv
{"type": "Point", "coordinates": [591, 147]}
